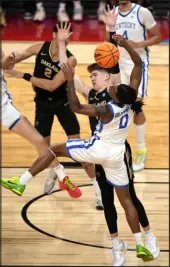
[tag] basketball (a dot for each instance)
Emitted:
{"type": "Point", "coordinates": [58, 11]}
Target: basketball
{"type": "Point", "coordinates": [106, 55]}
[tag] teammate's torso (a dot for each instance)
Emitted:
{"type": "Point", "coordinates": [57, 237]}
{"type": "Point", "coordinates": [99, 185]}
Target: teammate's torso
{"type": "Point", "coordinates": [5, 96]}
{"type": "Point", "coordinates": [130, 26]}
{"type": "Point", "coordinates": [46, 68]}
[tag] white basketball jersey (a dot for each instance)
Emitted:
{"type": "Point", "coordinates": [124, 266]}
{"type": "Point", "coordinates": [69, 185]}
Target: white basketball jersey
{"type": "Point", "coordinates": [116, 130]}
{"type": "Point", "coordinates": [131, 28]}
{"type": "Point", "coordinates": [5, 96]}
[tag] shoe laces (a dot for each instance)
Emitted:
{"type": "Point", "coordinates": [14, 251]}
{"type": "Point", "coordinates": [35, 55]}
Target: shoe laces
{"type": "Point", "coordinates": [69, 184]}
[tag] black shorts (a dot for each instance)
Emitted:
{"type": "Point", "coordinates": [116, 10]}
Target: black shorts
{"type": "Point", "coordinates": [44, 117]}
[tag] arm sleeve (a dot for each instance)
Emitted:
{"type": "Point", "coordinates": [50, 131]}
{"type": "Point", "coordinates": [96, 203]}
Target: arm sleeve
{"type": "Point", "coordinates": [68, 53]}
{"type": "Point", "coordinates": [146, 18]}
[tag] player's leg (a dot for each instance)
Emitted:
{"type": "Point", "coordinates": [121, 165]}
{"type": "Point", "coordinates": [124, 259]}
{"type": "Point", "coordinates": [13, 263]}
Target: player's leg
{"type": "Point", "coordinates": [151, 243]}
{"type": "Point", "coordinates": [40, 13]}
{"type": "Point", "coordinates": [62, 13]}
{"type": "Point", "coordinates": [119, 247]}
{"type": "Point", "coordinates": [18, 184]}
{"type": "Point", "coordinates": [77, 10]}
{"type": "Point", "coordinates": [70, 125]}
{"type": "Point", "coordinates": [140, 123]}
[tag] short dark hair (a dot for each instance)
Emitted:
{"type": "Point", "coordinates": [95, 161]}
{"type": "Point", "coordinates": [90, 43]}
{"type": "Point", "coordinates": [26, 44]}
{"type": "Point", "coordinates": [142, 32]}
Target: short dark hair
{"type": "Point", "coordinates": [95, 66]}
{"type": "Point", "coordinates": [59, 24]}
{"type": "Point", "coordinates": [126, 94]}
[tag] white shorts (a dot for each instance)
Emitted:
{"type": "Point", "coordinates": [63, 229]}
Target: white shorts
{"type": "Point", "coordinates": [9, 115]}
{"type": "Point", "coordinates": [110, 156]}
{"type": "Point", "coordinates": [126, 65]}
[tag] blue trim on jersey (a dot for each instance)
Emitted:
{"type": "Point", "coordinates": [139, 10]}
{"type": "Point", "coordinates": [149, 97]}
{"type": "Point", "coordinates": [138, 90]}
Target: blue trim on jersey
{"type": "Point", "coordinates": [14, 123]}
{"type": "Point", "coordinates": [112, 117]}
{"type": "Point", "coordinates": [128, 13]}
{"type": "Point", "coordinates": [138, 18]}
{"type": "Point", "coordinates": [8, 94]}
{"type": "Point", "coordinates": [118, 186]}
{"type": "Point", "coordinates": [143, 79]}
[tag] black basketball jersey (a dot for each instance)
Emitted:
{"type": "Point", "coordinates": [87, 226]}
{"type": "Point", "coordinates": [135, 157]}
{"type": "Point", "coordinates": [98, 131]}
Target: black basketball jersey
{"type": "Point", "coordinates": [46, 68]}
{"type": "Point", "coordinates": [97, 99]}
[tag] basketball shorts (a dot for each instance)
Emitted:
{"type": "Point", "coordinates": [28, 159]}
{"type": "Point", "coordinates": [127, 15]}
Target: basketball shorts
{"type": "Point", "coordinates": [9, 115]}
{"type": "Point", "coordinates": [44, 117]}
{"type": "Point", "coordinates": [126, 65]}
{"type": "Point", "coordinates": [110, 156]}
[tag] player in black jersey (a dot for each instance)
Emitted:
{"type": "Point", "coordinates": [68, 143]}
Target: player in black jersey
{"type": "Point", "coordinates": [51, 95]}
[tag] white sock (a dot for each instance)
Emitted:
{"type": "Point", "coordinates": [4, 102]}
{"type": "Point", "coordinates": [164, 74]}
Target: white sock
{"type": "Point", "coordinates": [140, 136]}
{"type": "Point", "coordinates": [39, 5]}
{"type": "Point", "coordinates": [77, 3]}
{"type": "Point", "coordinates": [115, 242]}
{"type": "Point", "coordinates": [138, 238]}
{"type": "Point", "coordinates": [62, 7]}
{"type": "Point", "coordinates": [25, 178]}
{"type": "Point", "coordinates": [96, 188]}
{"type": "Point", "coordinates": [149, 234]}
{"type": "Point", "coordinates": [59, 170]}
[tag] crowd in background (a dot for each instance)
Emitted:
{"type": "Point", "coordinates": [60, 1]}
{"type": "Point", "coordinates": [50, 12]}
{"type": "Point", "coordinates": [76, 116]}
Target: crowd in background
{"type": "Point", "coordinates": [35, 10]}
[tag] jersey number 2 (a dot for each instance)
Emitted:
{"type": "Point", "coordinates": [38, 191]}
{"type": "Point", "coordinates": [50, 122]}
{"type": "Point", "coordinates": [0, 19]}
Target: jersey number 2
{"type": "Point", "coordinates": [48, 72]}
{"type": "Point", "coordinates": [123, 121]}
{"type": "Point", "coordinates": [125, 35]}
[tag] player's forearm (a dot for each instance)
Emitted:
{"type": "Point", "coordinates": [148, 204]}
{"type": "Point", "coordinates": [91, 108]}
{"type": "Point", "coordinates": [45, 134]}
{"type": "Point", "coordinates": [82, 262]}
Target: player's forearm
{"type": "Point", "coordinates": [74, 102]}
{"type": "Point", "coordinates": [150, 41]}
{"type": "Point", "coordinates": [134, 55]}
{"type": "Point", "coordinates": [62, 52]}
{"type": "Point", "coordinates": [7, 62]}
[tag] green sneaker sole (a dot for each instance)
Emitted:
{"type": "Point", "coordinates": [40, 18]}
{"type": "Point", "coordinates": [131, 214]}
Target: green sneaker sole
{"type": "Point", "coordinates": [14, 190]}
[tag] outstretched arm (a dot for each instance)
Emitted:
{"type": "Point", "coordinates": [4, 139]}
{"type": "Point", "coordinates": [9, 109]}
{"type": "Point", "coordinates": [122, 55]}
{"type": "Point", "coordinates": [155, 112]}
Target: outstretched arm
{"type": "Point", "coordinates": [104, 112]}
{"type": "Point", "coordinates": [136, 74]}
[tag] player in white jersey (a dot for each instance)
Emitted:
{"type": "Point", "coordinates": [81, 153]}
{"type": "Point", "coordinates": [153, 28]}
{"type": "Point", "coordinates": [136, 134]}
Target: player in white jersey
{"type": "Point", "coordinates": [17, 123]}
{"type": "Point", "coordinates": [106, 146]}
{"type": "Point", "coordinates": [134, 22]}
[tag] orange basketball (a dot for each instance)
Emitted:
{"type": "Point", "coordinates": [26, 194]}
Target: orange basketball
{"type": "Point", "coordinates": [106, 55]}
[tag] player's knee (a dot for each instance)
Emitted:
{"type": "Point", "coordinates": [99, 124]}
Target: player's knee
{"type": "Point", "coordinates": [41, 143]}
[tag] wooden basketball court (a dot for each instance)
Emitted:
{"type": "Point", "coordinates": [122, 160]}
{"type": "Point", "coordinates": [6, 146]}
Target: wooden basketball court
{"type": "Point", "coordinates": [56, 230]}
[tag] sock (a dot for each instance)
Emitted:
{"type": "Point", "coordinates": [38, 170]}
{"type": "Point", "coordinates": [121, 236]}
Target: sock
{"type": "Point", "coordinates": [62, 7]}
{"type": "Point", "coordinates": [115, 242]}
{"type": "Point", "coordinates": [39, 5]}
{"type": "Point", "coordinates": [25, 178]}
{"type": "Point", "coordinates": [59, 170]}
{"type": "Point", "coordinates": [149, 234]}
{"type": "Point", "coordinates": [138, 238]}
{"type": "Point", "coordinates": [77, 4]}
{"type": "Point", "coordinates": [140, 136]}
{"type": "Point", "coordinates": [96, 188]}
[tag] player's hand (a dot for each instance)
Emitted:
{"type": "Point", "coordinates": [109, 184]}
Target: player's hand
{"type": "Point", "coordinates": [15, 55]}
{"type": "Point", "coordinates": [68, 71]}
{"type": "Point", "coordinates": [15, 73]}
{"type": "Point", "coordinates": [64, 33]}
{"type": "Point", "coordinates": [121, 41]}
{"type": "Point", "coordinates": [110, 17]}
{"type": "Point", "coordinates": [133, 44]}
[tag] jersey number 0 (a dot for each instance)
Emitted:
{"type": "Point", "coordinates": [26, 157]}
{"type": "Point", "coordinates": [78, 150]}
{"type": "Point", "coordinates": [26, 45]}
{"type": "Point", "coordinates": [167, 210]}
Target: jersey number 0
{"type": "Point", "coordinates": [123, 121]}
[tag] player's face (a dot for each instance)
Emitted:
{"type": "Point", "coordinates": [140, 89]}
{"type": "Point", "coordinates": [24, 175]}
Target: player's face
{"type": "Point", "coordinates": [99, 79]}
{"type": "Point", "coordinates": [123, 2]}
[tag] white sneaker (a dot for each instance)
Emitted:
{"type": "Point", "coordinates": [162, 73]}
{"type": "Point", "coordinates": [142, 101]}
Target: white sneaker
{"type": "Point", "coordinates": [151, 245]}
{"type": "Point", "coordinates": [119, 253]}
{"type": "Point", "coordinates": [78, 13]}
{"type": "Point", "coordinates": [140, 160]}
{"type": "Point", "coordinates": [62, 16]}
{"type": "Point", "coordinates": [39, 15]}
{"type": "Point", "coordinates": [99, 204]}
{"type": "Point", "coordinates": [50, 182]}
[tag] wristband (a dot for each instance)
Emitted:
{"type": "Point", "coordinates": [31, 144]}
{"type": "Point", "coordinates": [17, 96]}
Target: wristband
{"type": "Point", "coordinates": [27, 76]}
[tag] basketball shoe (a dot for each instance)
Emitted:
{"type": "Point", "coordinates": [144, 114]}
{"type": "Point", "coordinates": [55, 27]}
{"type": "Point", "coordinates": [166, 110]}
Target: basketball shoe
{"type": "Point", "coordinates": [72, 190]}
{"type": "Point", "coordinates": [143, 253]}
{"type": "Point", "coordinates": [119, 253]}
{"type": "Point", "coordinates": [99, 204]}
{"type": "Point", "coordinates": [50, 183]}
{"type": "Point", "coordinates": [13, 185]}
{"type": "Point", "coordinates": [151, 245]}
{"type": "Point", "coordinates": [140, 160]}
{"type": "Point", "coordinates": [39, 15]}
